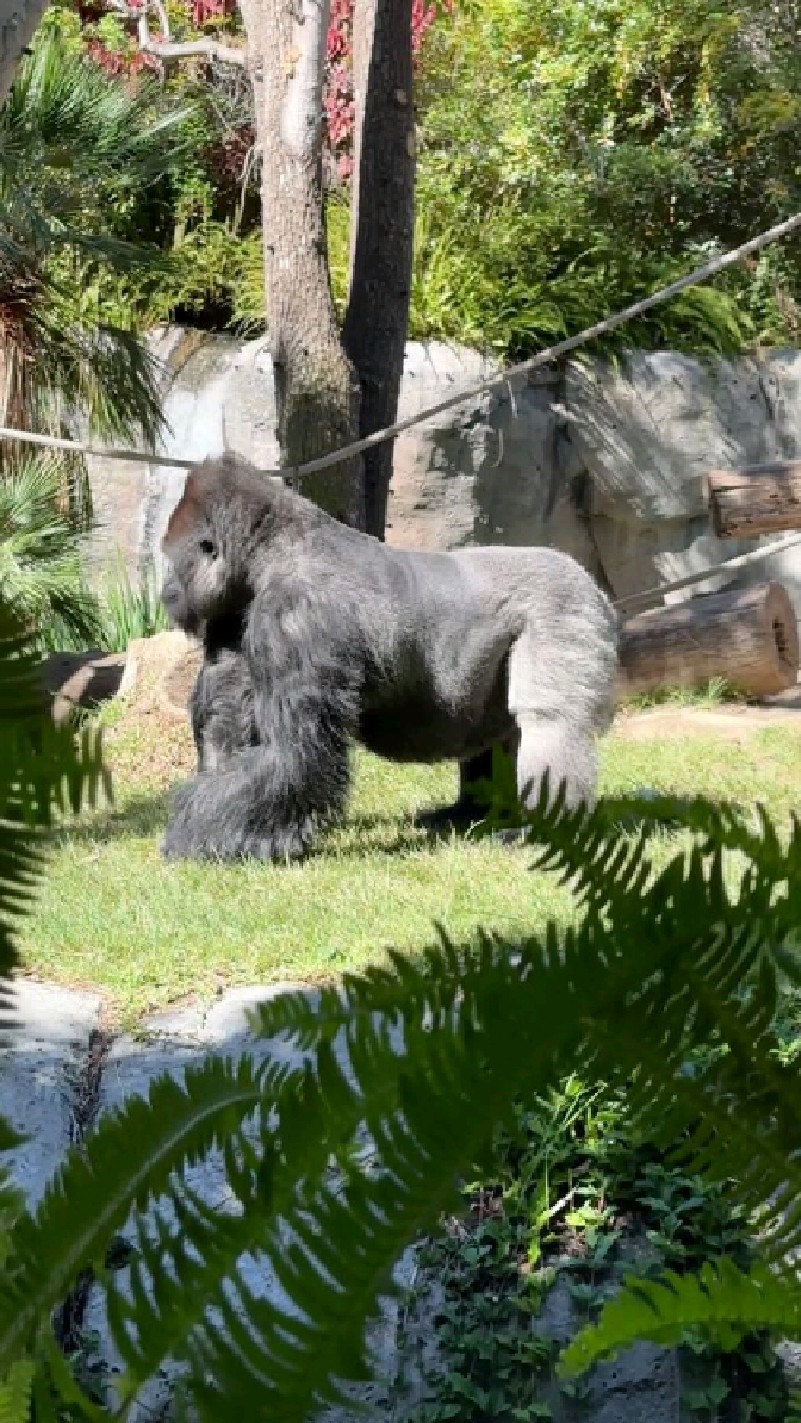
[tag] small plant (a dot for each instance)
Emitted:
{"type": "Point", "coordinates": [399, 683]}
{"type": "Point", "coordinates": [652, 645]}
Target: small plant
{"type": "Point", "coordinates": [573, 1196]}
{"type": "Point", "coordinates": [130, 610]}
{"type": "Point", "coordinates": [714, 693]}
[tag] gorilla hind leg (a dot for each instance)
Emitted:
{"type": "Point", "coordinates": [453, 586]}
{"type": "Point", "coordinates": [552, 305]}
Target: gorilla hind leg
{"type": "Point", "coordinates": [566, 752]}
{"type": "Point", "coordinates": [467, 810]}
{"type": "Point", "coordinates": [561, 695]}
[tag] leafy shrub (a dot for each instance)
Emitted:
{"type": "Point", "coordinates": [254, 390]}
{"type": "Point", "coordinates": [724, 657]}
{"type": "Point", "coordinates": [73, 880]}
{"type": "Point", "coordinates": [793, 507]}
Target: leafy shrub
{"type": "Point", "coordinates": [600, 151]}
{"type": "Point", "coordinates": [570, 160]}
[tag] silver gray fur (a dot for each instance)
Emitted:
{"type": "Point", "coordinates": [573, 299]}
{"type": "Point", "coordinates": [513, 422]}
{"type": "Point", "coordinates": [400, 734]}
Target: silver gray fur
{"type": "Point", "coordinates": [419, 656]}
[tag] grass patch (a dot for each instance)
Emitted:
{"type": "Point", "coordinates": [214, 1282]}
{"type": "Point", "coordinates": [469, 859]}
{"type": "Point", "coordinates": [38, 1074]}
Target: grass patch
{"type": "Point", "coordinates": [714, 693]}
{"type": "Point", "coordinates": [112, 915]}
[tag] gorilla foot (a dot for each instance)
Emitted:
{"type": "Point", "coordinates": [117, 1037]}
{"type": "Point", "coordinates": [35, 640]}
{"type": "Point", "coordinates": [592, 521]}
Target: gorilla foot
{"type": "Point", "coordinates": [278, 844]}
{"type": "Point", "coordinates": [460, 816]}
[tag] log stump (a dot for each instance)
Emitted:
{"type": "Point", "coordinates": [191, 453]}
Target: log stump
{"type": "Point", "coordinates": [748, 637]}
{"type": "Point", "coordinates": [761, 499]}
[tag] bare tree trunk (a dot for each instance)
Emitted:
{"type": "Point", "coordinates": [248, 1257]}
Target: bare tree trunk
{"type": "Point", "coordinates": [382, 228]}
{"type": "Point", "coordinates": [317, 390]}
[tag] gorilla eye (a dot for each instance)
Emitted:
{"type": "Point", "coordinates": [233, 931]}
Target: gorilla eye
{"type": "Point", "coordinates": [208, 548]}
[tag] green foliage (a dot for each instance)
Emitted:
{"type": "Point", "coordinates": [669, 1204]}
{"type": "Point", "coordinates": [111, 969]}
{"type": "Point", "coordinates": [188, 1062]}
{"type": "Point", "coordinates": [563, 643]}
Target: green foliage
{"type": "Point", "coordinates": [42, 770]}
{"type": "Point", "coordinates": [192, 221]}
{"type": "Point", "coordinates": [76, 150]}
{"type": "Point", "coordinates": [130, 610]}
{"type": "Point", "coordinates": [667, 990]}
{"type": "Point", "coordinates": [41, 573]}
{"type": "Point", "coordinates": [713, 693]}
{"type": "Point", "coordinates": [572, 158]}
{"type": "Point", "coordinates": [15, 1394]}
{"type": "Point", "coordinates": [573, 1197]}
{"type": "Point", "coordinates": [575, 157]}
{"type": "Point", "coordinates": [721, 1299]}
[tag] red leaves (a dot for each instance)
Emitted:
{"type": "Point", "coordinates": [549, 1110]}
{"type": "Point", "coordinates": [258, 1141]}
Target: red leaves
{"type": "Point", "coordinates": [423, 17]}
{"type": "Point", "coordinates": [119, 63]}
{"type": "Point", "coordinates": [338, 103]}
{"type": "Point", "coordinates": [203, 12]}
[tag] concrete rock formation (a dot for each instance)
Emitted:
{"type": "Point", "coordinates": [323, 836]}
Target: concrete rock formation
{"type": "Point", "coordinates": [160, 672]}
{"type": "Point", "coordinates": [59, 1075]}
{"type": "Point", "coordinates": [602, 459]}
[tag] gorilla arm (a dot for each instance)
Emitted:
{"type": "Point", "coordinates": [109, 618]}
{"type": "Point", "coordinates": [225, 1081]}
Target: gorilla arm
{"type": "Point", "coordinates": [266, 801]}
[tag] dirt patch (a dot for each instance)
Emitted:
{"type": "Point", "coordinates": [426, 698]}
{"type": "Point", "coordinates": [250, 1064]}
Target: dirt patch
{"type": "Point", "coordinates": [150, 740]}
{"type": "Point", "coordinates": [727, 723]}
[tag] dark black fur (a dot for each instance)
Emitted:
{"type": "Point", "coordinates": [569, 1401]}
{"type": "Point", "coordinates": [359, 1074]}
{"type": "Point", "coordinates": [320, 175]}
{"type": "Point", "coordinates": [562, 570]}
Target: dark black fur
{"type": "Point", "coordinates": [222, 705]}
{"type": "Point", "coordinates": [316, 634]}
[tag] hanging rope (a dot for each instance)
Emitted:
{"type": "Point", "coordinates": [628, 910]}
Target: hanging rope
{"type": "Point", "coordinates": [742, 560]}
{"type": "Point", "coordinates": [482, 387]}
{"type": "Point", "coordinates": [470, 392]}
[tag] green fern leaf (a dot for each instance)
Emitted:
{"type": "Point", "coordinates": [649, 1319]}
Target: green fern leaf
{"type": "Point", "coordinates": [15, 1393]}
{"type": "Point", "coordinates": [721, 1300]}
{"type": "Point", "coordinates": [128, 1162]}
{"type": "Point", "coordinates": [42, 769]}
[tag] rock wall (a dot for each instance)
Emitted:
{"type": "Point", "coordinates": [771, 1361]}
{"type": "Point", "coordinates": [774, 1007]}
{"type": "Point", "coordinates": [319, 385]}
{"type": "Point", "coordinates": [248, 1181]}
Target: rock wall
{"type": "Point", "coordinates": [604, 460]}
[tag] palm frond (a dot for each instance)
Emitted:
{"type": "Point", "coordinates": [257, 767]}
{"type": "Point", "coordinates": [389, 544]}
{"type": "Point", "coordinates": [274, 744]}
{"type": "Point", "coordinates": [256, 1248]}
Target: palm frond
{"type": "Point", "coordinates": [108, 375]}
{"type": "Point", "coordinates": [41, 570]}
{"type": "Point", "coordinates": [73, 145]}
{"type": "Point", "coordinates": [64, 115]}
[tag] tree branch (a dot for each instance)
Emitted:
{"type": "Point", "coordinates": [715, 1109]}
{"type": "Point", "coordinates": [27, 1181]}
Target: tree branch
{"type": "Point", "coordinates": [185, 49]}
{"type": "Point", "coordinates": [168, 49]}
{"type": "Point", "coordinates": [171, 49]}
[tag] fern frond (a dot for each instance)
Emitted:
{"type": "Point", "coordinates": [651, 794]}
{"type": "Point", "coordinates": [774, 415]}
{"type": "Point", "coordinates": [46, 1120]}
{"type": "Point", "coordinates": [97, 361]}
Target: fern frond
{"type": "Point", "coordinates": [126, 1164]}
{"type": "Point", "coordinates": [187, 1255]}
{"type": "Point", "coordinates": [721, 1300]}
{"type": "Point", "coordinates": [15, 1393]}
{"type": "Point", "coordinates": [424, 1060]}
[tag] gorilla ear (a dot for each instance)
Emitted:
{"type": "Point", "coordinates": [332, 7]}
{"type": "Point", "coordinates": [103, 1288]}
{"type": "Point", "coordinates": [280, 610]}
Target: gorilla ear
{"type": "Point", "coordinates": [208, 548]}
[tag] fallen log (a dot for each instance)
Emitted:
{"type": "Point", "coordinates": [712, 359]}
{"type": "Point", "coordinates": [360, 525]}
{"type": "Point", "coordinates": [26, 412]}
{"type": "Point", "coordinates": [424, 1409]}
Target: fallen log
{"type": "Point", "coordinates": [748, 637]}
{"type": "Point", "coordinates": [761, 499]}
{"type": "Point", "coordinates": [77, 681]}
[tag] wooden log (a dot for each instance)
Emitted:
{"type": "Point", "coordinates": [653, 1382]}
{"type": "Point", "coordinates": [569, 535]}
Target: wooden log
{"type": "Point", "coordinates": [747, 637]}
{"type": "Point", "coordinates": [761, 499]}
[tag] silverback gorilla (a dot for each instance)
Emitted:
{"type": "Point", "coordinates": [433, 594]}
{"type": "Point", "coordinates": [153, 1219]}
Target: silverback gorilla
{"type": "Point", "coordinates": [315, 634]}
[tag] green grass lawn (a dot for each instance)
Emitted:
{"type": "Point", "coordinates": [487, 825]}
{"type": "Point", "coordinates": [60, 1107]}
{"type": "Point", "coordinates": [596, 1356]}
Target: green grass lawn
{"type": "Point", "coordinates": [113, 916]}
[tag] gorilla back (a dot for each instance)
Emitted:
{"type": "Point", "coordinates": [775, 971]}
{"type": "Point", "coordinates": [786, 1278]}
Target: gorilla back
{"type": "Point", "coordinates": [421, 656]}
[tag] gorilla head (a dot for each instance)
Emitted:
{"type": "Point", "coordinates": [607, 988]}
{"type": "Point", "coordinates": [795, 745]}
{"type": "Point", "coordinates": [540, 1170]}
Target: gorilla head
{"type": "Point", "coordinates": [329, 635]}
{"type": "Point", "coordinates": [209, 547]}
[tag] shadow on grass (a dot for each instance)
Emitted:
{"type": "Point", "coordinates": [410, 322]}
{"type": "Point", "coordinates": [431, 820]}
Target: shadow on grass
{"type": "Point", "coordinates": [372, 833]}
{"type": "Point", "coordinates": [144, 816]}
